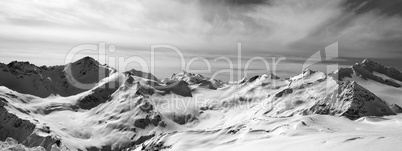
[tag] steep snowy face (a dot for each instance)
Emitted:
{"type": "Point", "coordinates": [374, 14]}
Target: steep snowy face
{"type": "Point", "coordinates": [368, 70]}
{"type": "Point", "coordinates": [19, 125]}
{"type": "Point", "coordinates": [43, 81]}
{"type": "Point", "coordinates": [300, 94]}
{"type": "Point", "coordinates": [352, 101]}
{"type": "Point", "coordinates": [126, 120]}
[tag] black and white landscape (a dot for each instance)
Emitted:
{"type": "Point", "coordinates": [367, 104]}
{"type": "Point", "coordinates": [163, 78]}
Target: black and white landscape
{"type": "Point", "coordinates": [200, 75]}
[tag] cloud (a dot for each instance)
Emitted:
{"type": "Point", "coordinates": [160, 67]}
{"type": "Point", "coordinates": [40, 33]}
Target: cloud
{"type": "Point", "coordinates": [289, 28]}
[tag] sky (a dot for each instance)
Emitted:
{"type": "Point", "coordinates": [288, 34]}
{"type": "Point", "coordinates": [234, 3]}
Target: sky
{"type": "Point", "coordinates": [206, 33]}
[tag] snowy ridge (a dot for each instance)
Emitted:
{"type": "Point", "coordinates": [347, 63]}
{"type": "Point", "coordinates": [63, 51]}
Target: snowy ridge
{"type": "Point", "coordinates": [367, 69]}
{"type": "Point", "coordinates": [196, 79]}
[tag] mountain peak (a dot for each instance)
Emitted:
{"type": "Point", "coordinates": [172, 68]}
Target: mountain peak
{"type": "Point", "coordinates": [273, 76]}
{"type": "Point", "coordinates": [86, 60]}
{"type": "Point", "coordinates": [307, 72]}
{"type": "Point", "coordinates": [12, 63]}
{"type": "Point", "coordinates": [18, 68]}
{"type": "Point", "coordinates": [353, 101]}
{"type": "Point", "coordinates": [368, 61]}
{"type": "Point", "coordinates": [371, 65]}
{"type": "Point", "coordinates": [22, 65]}
{"type": "Point", "coordinates": [364, 102]}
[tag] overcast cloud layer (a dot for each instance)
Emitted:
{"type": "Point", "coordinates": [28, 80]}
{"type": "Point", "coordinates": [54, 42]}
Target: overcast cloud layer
{"type": "Point", "coordinates": [43, 31]}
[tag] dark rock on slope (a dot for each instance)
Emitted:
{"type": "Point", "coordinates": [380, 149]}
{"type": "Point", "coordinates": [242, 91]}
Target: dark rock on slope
{"type": "Point", "coordinates": [23, 130]}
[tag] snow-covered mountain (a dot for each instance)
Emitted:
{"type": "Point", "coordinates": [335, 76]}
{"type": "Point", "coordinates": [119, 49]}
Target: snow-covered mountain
{"type": "Point", "coordinates": [134, 110]}
{"type": "Point", "coordinates": [44, 81]}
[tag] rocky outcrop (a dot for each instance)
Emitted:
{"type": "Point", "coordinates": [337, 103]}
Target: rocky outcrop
{"type": "Point", "coordinates": [365, 73]}
{"type": "Point", "coordinates": [23, 130]}
{"type": "Point", "coordinates": [396, 108]}
{"type": "Point", "coordinates": [154, 120]}
{"type": "Point", "coordinates": [12, 144]}
{"type": "Point", "coordinates": [252, 79]}
{"type": "Point", "coordinates": [146, 117]}
{"type": "Point", "coordinates": [184, 119]}
{"type": "Point", "coordinates": [284, 92]}
{"type": "Point", "coordinates": [177, 87]}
